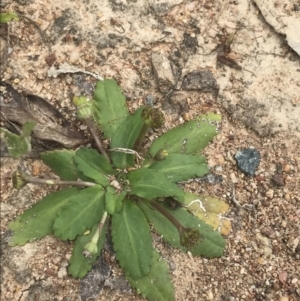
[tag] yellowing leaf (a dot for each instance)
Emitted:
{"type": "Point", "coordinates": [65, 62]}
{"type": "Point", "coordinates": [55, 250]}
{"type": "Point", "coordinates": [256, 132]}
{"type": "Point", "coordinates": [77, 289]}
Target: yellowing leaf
{"type": "Point", "coordinates": [226, 227]}
{"type": "Point", "coordinates": [209, 210]}
{"type": "Point", "coordinates": [210, 245]}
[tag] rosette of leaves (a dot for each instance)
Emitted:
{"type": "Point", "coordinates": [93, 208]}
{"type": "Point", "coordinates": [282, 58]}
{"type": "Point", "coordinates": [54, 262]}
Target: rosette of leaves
{"type": "Point", "coordinates": [128, 186]}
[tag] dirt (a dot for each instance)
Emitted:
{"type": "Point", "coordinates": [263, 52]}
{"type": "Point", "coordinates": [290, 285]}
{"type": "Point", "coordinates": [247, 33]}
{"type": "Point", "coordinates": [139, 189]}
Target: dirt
{"type": "Point", "coordinates": [257, 92]}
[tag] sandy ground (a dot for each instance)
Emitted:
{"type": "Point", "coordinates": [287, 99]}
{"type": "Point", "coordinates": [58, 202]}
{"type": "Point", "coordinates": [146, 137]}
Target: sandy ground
{"type": "Point", "coordinates": [258, 97]}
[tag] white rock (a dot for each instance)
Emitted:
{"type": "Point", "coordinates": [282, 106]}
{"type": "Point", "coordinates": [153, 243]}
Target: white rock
{"type": "Point", "coordinates": [270, 194]}
{"type": "Point", "coordinates": [281, 22]}
{"type": "Point", "coordinates": [62, 273]}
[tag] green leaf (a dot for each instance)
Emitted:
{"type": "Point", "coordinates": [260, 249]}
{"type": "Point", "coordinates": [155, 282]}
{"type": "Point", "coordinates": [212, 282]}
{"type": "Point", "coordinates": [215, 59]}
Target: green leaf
{"type": "Point", "coordinates": [125, 137]}
{"type": "Point", "coordinates": [148, 184]}
{"type": "Point", "coordinates": [157, 285]}
{"type": "Point", "coordinates": [38, 221]}
{"type": "Point", "coordinates": [181, 167]}
{"type": "Point", "coordinates": [132, 240]}
{"type": "Point", "coordinates": [62, 163]}
{"type": "Point", "coordinates": [7, 17]}
{"type": "Point", "coordinates": [113, 200]}
{"type": "Point", "coordinates": [211, 243]}
{"type": "Point", "coordinates": [18, 146]}
{"type": "Point", "coordinates": [81, 214]}
{"type": "Point", "coordinates": [110, 106]}
{"type": "Point", "coordinates": [188, 138]}
{"type": "Point", "coordinates": [80, 265]}
{"type": "Point", "coordinates": [27, 128]}
{"type": "Point", "coordinates": [93, 165]}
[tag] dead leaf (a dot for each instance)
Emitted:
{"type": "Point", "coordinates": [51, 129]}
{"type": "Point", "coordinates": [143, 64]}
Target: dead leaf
{"type": "Point", "coordinates": [16, 109]}
{"type": "Point", "coordinates": [67, 68]}
{"type": "Point", "coordinates": [226, 60]}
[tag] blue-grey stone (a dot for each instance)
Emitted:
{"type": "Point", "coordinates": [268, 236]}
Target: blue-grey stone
{"type": "Point", "coordinates": [247, 160]}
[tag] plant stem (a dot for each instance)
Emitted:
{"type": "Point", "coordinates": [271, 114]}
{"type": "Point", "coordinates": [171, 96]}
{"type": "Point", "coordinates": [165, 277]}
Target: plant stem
{"type": "Point", "coordinates": [91, 247]}
{"type": "Point", "coordinates": [99, 228]}
{"type": "Point", "coordinates": [102, 222]}
{"type": "Point", "coordinates": [93, 132]}
{"type": "Point", "coordinates": [34, 180]}
{"type": "Point", "coordinates": [141, 136]}
{"type": "Point", "coordinates": [188, 236]}
{"type": "Point", "coordinates": [168, 215]}
{"type": "Point", "coordinates": [148, 162]}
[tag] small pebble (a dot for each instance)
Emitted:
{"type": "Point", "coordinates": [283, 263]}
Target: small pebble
{"type": "Point", "coordinates": [149, 100]}
{"type": "Point", "coordinates": [64, 264]}
{"type": "Point", "coordinates": [190, 6]}
{"type": "Point", "coordinates": [278, 180]}
{"type": "Point", "coordinates": [218, 168]}
{"type": "Point", "coordinates": [260, 178]}
{"type": "Point", "coordinates": [261, 260]}
{"type": "Point", "coordinates": [210, 295]}
{"type": "Point", "coordinates": [283, 277]}
{"type": "Point", "coordinates": [172, 265]}
{"type": "Point", "coordinates": [220, 159]}
{"type": "Point", "coordinates": [233, 178]}
{"type": "Point", "coordinates": [65, 103]}
{"type": "Point", "coordinates": [62, 273]}
{"type": "Point", "coordinates": [190, 255]}
{"type": "Point", "coordinates": [294, 281]}
{"type": "Point", "coordinates": [50, 272]}
{"type": "Point", "coordinates": [270, 194]}
{"type": "Point", "coordinates": [265, 244]}
{"type": "Point", "coordinates": [186, 116]}
{"type": "Point", "coordinates": [56, 260]}
{"type": "Point", "coordinates": [286, 168]}
{"type": "Point", "coordinates": [247, 160]}
{"type": "Point", "coordinates": [276, 286]}
{"type": "Point", "coordinates": [201, 81]}
{"type": "Point", "coordinates": [83, 127]}
{"type": "Point", "coordinates": [284, 298]}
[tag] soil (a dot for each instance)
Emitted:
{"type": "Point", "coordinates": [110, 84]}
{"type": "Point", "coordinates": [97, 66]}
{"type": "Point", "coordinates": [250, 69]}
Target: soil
{"type": "Point", "coordinates": [253, 81]}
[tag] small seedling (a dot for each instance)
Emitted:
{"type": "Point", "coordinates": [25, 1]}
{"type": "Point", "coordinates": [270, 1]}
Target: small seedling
{"type": "Point", "coordinates": [8, 17]}
{"type": "Point", "coordinates": [18, 145]}
{"type": "Point", "coordinates": [129, 187]}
